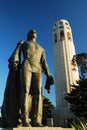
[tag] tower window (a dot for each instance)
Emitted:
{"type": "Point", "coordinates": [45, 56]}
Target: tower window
{"type": "Point", "coordinates": [60, 26]}
{"type": "Point", "coordinates": [69, 35]}
{"type": "Point", "coordinates": [61, 35]}
{"type": "Point", "coordinates": [61, 23]}
{"type": "Point", "coordinates": [66, 23]}
{"type": "Point", "coordinates": [55, 37]}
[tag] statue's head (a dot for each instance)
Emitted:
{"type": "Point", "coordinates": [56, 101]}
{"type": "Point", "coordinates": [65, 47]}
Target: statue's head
{"type": "Point", "coordinates": [32, 34]}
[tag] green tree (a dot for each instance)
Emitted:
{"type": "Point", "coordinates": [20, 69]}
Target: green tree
{"type": "Point", "coordinates": [47, 110]}
{"type": "Point", "coordinates": [81, 61]}
{"type": "Point", "coordinates": [77, 98]}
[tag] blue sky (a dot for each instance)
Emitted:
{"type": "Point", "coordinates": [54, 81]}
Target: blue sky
{"type": "Point", "coordinates": [19, 16]}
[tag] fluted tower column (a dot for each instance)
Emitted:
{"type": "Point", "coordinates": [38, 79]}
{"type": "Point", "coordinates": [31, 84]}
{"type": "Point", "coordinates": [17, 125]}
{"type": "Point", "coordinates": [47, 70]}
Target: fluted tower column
{"type": "Point", "coordinates": [64, 74]}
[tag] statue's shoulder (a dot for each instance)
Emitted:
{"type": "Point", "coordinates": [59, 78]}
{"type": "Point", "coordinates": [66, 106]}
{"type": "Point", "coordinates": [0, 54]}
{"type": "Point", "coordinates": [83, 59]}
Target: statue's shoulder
{"type": "Point", "coordinates": [39, 46]}
{"type": "Point", "coordinates": [21, 42]}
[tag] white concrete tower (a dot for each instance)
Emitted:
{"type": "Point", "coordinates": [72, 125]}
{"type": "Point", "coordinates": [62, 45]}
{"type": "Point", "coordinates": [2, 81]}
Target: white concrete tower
{"type": "Point", "coordinates": [63, 70]}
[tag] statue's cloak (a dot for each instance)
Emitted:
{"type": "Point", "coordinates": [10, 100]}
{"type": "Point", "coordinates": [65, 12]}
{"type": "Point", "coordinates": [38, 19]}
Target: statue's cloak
{"type": "Point", "coordinates": [10, 109]}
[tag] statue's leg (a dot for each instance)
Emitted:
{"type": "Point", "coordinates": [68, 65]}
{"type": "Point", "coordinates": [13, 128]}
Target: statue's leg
{"type": "Point", "coordinates": [37, 99]}
{"type": "Point", "coordinates": [26, 76]}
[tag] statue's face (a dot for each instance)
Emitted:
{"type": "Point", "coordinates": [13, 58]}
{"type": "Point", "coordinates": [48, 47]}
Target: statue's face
{"type": "Point", "coordinates": [32, 34]}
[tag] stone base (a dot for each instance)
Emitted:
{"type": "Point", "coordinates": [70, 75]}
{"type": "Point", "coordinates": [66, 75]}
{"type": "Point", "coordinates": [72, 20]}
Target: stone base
{"type": "Point", "coordinates": [37, 128]}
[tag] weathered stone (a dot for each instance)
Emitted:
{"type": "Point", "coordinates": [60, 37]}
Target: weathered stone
{"type": "Point", "coordinates": [39, 128]}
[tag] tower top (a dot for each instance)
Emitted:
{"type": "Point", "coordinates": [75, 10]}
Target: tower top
{"type": "Point", "coordinates": [63, 21]}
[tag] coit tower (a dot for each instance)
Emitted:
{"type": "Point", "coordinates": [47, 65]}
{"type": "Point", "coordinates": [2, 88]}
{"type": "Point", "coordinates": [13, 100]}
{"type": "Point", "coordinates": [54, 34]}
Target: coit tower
{"type": "Point", "coordinates": [64, 73]}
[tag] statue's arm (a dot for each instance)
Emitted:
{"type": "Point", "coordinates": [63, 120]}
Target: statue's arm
{"type": "Point", "coordinates": [15, 58]}
{"type": "Point", "coordinates": [45, 67]}
{"type": "Point", "coordinates": [17, 51]}
{"type": "Point", "coordinates": [49, 80]}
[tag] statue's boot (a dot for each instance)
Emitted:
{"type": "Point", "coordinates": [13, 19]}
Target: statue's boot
{"type": "Point", "coordinates": [36, 124]}
{"type": "Point", "coordinates": [26, 121]}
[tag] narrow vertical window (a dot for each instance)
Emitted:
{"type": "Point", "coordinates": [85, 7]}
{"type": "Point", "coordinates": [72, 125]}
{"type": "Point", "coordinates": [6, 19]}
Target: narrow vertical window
{"type": "Point", "coordinates": [55, 37]}
{"type": "Point", "coordinates": [61, 35]}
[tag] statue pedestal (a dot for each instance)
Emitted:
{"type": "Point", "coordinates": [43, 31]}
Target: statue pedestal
{"type": "Point", "coordinates": [37, 128]}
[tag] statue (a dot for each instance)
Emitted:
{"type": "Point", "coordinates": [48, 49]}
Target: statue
{"type": "Point", "coordinates": [23, 94]}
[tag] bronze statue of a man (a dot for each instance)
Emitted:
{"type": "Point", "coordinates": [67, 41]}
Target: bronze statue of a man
{"type": "Point", "coordinates": [34, 61]}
